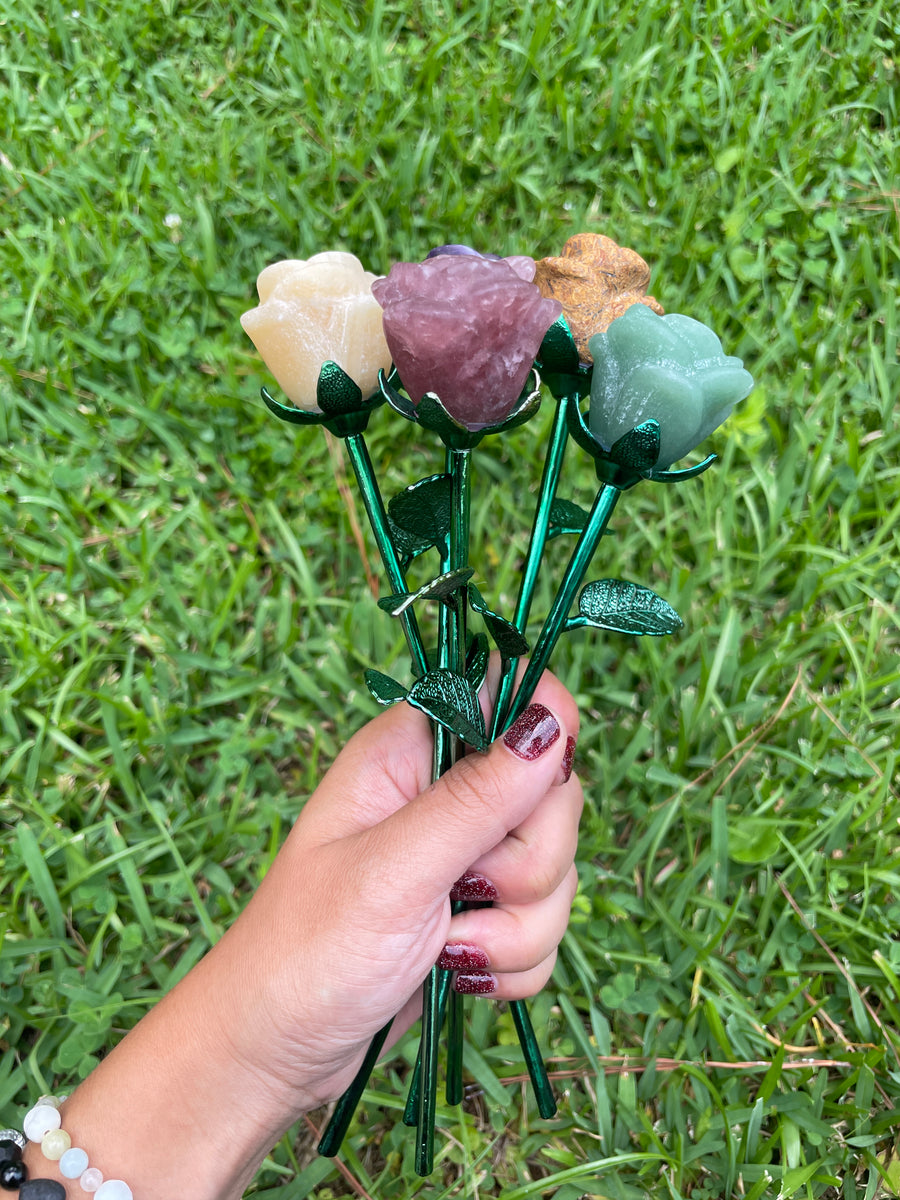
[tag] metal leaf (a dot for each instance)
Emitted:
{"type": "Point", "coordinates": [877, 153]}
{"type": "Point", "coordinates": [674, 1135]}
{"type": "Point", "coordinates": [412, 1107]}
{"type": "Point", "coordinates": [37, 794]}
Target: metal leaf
{"type": "Point", "coordinates": [451, 700]}
{"type": "Point", "coordinates": [566, 517]}
{"type": "Point", "coordinates": [477, 660]}
{"type": "Point", "coordinates": [422, 511]}
{"type": "Point", "coordinates": [627, 608]}
{"type": "Point", "coordinates": [385, 690]}
{"type": "Point", "coordinates": [437, 589]}
{"type": "Point", "coordinates": [508, 640]}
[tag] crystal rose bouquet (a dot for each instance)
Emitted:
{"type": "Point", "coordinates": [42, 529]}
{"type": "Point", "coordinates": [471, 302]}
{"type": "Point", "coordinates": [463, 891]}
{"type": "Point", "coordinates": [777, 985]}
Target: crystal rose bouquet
{"type": "Point", "coordinates": [470, 337]}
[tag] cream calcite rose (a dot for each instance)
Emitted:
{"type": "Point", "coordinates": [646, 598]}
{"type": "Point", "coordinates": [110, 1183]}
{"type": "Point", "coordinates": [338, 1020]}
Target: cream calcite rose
{"type": "Point", "coordinates": [313, 311]}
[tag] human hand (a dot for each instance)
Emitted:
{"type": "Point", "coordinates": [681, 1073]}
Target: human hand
{"type": "Point", "coordinates": [337, 940]}
{"type": "Point", "coordinates": [355, 909]}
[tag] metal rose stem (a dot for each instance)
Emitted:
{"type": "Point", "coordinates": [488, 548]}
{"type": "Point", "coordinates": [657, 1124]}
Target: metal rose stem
{"type": "Point", "coordinates": [346, 1106]}
{"type": "Point", "coordinates": [540, 527]}
{"type": "Point", "coordinates": [451, 655]}
{"type": "Point", "coordinates": [565, 595]}
{"type": "Point", "coordinates": [371, 497]}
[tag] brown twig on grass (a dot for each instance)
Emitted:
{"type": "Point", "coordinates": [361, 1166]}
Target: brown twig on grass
{"type": "Point", "coordinates": [850, 981]}
{"type": "Point", "coordinates": [347, 495]}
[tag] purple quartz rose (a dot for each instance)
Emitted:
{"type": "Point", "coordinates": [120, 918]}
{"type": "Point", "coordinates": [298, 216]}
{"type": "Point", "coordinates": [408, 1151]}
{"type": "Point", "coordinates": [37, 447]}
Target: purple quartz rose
{"type": "Point", "coordinates": [520, 263]}
{"type": "Point", "coordinates": [467, 328]}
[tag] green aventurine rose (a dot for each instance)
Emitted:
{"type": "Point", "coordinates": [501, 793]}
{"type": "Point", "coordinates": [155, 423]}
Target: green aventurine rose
{"type": "Point", "coordinates": [669, 369]}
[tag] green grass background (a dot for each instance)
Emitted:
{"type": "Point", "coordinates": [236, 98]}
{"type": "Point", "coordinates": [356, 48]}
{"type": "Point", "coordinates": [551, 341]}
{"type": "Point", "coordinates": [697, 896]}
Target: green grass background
{"type": "Point", "coordinates": [184, 622]}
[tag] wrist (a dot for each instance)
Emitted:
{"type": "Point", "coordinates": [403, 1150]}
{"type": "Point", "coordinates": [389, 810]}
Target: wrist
{"type": "Point", "coordinates": [174, 1109]}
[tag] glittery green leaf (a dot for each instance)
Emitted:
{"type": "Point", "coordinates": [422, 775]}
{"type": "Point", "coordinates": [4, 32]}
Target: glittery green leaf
{"type": "Point", "coordinates": [451, 700]}
{"type": "Point", "coordinates": [420, 516]}
{"type": "Point", "coordinates": [626, 608]}
{"type": "Point", "coordinates": [477, 660]}
{"type": "Point", "coordinates": [437, 589]}
{"type": "Point", "coordinates": [385, 690]}
{"type": "Point", "coordinates": [506, 637]}
{"type": "Point", "coordinates": [566, 517]}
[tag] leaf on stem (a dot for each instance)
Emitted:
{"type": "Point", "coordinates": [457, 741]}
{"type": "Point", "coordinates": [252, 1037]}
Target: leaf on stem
{"type": "Point", "coordinates": [385, 690]}
{"type": "Point", "coordinates": [508, 640]}
{"type": "Point", "coordinates": [566, 517]}
{"type": "Point", "coordinates": [477, 660]}
{"type": "Point", "coordinates": [451, 700]}
{"type": "Point", "coordinates": [626, 608]}
{"type": "Point", "coordinates": [437, 589]}
{"type": "Point", "coordinates": [420, 515]}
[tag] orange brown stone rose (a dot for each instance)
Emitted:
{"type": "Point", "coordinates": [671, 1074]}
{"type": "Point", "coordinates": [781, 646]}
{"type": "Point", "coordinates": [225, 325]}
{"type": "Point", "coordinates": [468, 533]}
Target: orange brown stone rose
{"type": "Point", "coordinates": [595, 280]}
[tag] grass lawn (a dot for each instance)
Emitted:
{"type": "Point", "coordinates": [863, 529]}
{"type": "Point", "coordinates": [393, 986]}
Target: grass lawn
{"type": "Point", "coordinates": [185, 624]}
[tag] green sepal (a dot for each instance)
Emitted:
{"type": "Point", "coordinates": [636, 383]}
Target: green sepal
{"type": "Point", "coordinates": [436, 589]}
{"type": "Point", "coordinates": [558, 352]}
{"type": "Point", "coordinates": [420, 515]}
{"type": "Point", "coordinates": [336, 392]}
{"type": "Point", "coordinates": [344, 410]}
{"type": "Point", "coordinates": [566, 517]}
{"type": "Point", "coordinates": [450, 699]}
{"type": "Point", "coordinates": [632, 457]}
{"type": "Point", "coordinates": [508, 640]}
{"type": "Point", "coordinates": [431, 414]}
{"type": "Point", "coordinates": [625, 608]}
{"type": "Point", "coordinates": [477, 660]}
{"type": "Point", "coordinates": [684, 473]}
{"type": "Point", "coordinates": [385, 690]}
{"type": "Point", "coordinates": [638, 449]}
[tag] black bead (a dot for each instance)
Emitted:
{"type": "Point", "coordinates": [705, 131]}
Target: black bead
{"type": "Point", "coordinates": [12, 1175]}
{"type": "Point", "coordinates": [42, 1189]}
{"type": "Point", "coordinates": [9, 1151]}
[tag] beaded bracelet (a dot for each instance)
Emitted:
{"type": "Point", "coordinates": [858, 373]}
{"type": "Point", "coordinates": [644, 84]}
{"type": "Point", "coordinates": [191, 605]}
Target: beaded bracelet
{"type": "Point", "coordinates": [14, 1173]}
{"type": "Point", "coordinates": [43, 1125]}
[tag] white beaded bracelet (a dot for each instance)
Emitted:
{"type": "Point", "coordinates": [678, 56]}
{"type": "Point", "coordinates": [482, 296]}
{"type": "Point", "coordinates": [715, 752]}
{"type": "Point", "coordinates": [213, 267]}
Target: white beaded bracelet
{"type": "Point", "coordinates": [43, 1124]}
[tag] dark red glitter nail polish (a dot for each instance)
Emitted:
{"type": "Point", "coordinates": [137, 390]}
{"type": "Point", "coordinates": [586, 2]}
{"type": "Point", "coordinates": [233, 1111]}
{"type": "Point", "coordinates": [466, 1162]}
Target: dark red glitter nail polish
{"type": "Point", "coordinates": [461, 956]}
{"type": "Point", "coordinates": [482, 984]}
{"type": "Point", "coordinates": [532, 733]}
{"type": "Point", "coordinates": [568, 759]}
{"type": "Point", "coordinates": [473, 887]}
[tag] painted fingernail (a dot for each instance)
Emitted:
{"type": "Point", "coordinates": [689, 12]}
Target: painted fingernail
{"type": "Point", "coordinates": [473, 887]}
{"type": "Point", "coordinates": [568, 759]}
{"type": "Point", "coordinates": [476, 984]}
{"type": "Point", "coordinates": [532, 733]}
{"type": "Point", "coordinates": [461, 956]}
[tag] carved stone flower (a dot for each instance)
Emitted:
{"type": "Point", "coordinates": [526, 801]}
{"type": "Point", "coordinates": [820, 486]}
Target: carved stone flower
{"type": "Point", "coordinates": [520, 263]}
{"type": "Point", "coordinates": [314, 311]}
{"type": "Point", "coordinates": [668, 369]}
{"type": "Point", "coordinates": [595, 280]}
{"type": "Point", "coordinates": [467, 328]}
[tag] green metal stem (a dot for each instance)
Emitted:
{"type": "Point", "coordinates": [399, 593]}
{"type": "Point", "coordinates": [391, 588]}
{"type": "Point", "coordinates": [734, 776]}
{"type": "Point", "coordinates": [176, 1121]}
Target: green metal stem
{"type": "Point", "coordinates": [336, 1129]}
{"type": "Point", "coordinates": [559, 611]}
{"type": "Point", "coordinates": [540, 1080]}
{"type": "Point", "coordinates": [357, 450]}
{"type": "Point", "coordinates": [378, 519]}
{"type": "Point", "coordinates": [540, 527]}
{"type": "Point", "coordinates": [451, 654]}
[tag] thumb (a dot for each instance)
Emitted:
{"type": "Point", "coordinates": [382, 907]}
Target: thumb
{"type": "Point", "coordinates": [472, 808]}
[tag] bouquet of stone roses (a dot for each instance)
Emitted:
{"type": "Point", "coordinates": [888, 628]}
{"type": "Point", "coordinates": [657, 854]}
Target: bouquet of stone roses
{"type": "Point", "coordinates": [462, 344]}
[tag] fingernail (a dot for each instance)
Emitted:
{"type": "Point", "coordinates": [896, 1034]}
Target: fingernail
{"type": "Point", "coordinates": [532, 733]}
{"type": "Point", "coordinates": [568, 759]}
{"type": "Point", "coordinates": [473, 887]}
{"type": "Point", "coordinates": [476, 984]}
{"type": "Point", "coordinates": [461, 956]}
